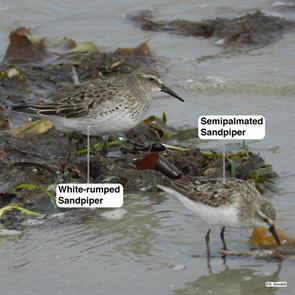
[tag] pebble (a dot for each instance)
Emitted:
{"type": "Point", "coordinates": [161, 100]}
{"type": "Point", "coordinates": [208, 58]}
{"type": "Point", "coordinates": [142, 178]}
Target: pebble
{"type": "Point", "coordinates": [220, 42]}
{"type": "Point", "coordinates": [32, 222]}
{"type": "Point", "coordinates": [114, 214]}
{"type": "Point", "coordinates": [9, 232]}
{"type": "Point", "coordinates": [179, 267]}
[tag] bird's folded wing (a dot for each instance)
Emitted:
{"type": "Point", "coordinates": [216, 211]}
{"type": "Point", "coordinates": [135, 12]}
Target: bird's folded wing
{"type": "Point", "coordinates": [213, 193]}
{"type": "Point", "coordinates": [71, 108]}
{"type": "Point", "coordinates": [76, 103]}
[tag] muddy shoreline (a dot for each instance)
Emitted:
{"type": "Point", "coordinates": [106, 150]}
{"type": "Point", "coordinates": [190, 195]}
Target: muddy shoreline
{"type": "Point", "coordinates": [35, 157]}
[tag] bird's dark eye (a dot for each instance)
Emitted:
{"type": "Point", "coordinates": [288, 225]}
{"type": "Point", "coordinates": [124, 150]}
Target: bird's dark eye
{"type": "Point", "coordinates": [151, 79]}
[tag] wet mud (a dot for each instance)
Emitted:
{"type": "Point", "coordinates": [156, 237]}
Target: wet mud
{"type": "Point", "coordinates": [35, 157]}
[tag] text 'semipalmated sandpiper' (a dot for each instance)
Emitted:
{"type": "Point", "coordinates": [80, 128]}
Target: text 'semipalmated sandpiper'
{"type": "Point", "coordinates": [107, 106]}
{"type": "Point", "coordinates": [234, 203]}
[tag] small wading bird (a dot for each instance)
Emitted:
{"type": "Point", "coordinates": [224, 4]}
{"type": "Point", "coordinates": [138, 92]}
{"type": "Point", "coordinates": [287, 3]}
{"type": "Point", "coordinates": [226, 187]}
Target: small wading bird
{"type": "Point", "coordinates": [107, 106]}
{"type": "Point", "coordinates": [235, 203]}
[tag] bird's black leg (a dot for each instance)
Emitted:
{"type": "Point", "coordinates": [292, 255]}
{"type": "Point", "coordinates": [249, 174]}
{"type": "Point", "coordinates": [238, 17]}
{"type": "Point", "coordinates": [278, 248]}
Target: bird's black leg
{"type": "Point", "coordinates": [105, 141]}
{"type": "Point", "coordinates": [207, 239]}
{"type": "Point", "coordinates": [80, 141]}
{"type": "Point", "coordinates": [222, 238]}
{"type": "Point", "coordinates": [70, 139]}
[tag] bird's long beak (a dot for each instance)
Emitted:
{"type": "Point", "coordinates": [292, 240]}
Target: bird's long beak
{"type": "Point", "coordinates": [171, 92]}
{"type": "Point", "coordinates": [273, 231]}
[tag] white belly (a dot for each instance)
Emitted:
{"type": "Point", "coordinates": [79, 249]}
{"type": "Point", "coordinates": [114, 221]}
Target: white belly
{"type": "Point", "coordinates": [99, 126]}
{"type": "Point", "coordinates": [223, 216]}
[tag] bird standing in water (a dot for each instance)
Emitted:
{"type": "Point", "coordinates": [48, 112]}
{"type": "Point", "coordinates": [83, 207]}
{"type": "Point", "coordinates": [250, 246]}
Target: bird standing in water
{"type": "Point", "coordinates": [234, 203]}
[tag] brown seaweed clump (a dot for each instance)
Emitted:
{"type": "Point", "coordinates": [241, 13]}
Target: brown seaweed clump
{"type": "Point", "coordinates": [32, 68]}
{"type": "Point", "coordinates": [249, 31]}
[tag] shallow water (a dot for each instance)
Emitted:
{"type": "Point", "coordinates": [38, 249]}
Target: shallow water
{"type": "Point", "coordinates": [156, 246]}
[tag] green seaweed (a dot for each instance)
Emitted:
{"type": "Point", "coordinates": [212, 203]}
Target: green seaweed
{"type": "Point", "coordinates": [15, 206]}
{"type": "Point", "coordinates": [175, 147]}
{"type": "Point", "coordinates": [149, 119]}
{"type": "Point", "coordinates": [232, 168]}
{"type": "Point", "coordinates": [98, 146]}
{"type": "Point", "coordinates": [186, 134]}
{"type": "Point", "coordinates": [164, 118]}
{"type": "Point", "coordinates": [34, 187]}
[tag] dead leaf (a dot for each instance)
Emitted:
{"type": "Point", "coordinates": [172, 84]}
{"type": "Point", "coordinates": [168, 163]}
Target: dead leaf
{"type": "Point", "coordinates": [149, 161]}
{"type": "Point", "coordinates": [65, 45]}
{"type": "Point", "coordinates": [143, 49]}
{"type": "Point", "coordinates": [32, 128]}
{"type": "Point", "coordinates": [23, 47]}
{"type": "Point", "coordinates": [85, 47]}
{"type": "Point", "coordinates": [261, 237]}
{"type": "Point", "coordinates": [154, 161]}
{"type": "Point", "coordinates": [157, 129]}
{"type": "Point", "coordinates": [149, 119]}
{"type": "Point", "coordinates": [116, 64]}
{"type": "Point", "coordinates": [4, 122]}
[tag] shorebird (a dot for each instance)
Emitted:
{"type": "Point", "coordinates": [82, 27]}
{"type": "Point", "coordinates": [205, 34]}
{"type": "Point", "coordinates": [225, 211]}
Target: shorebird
{"type": "Point", "coordinates": [107, 106]}
{"type": "Point", "coordinates": [234, 203]}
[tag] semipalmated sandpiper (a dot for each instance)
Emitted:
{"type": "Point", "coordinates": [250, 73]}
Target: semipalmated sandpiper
{"type": "Point", "coordinates": [234, 203]}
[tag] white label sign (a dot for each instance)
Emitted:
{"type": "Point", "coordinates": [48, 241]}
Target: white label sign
{"type": "Point", "coordinates": [89, 195]}
{"type": "Point", "coordinates": [231, 127]}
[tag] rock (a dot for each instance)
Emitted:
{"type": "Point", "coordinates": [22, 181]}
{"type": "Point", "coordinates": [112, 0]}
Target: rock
{"type": "Point", "coordinates": [116, 214]}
